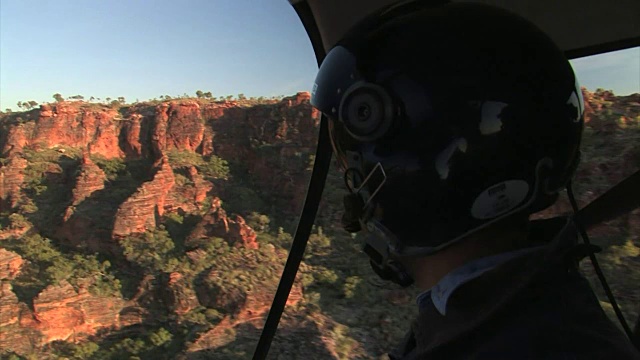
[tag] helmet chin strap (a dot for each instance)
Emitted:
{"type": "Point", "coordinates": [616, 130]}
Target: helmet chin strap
{"type": "Point", "coordinates": [359, 211]}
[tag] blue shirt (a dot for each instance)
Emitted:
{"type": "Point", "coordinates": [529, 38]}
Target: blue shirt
{"type": "Point", "coordinates": [440, 293]}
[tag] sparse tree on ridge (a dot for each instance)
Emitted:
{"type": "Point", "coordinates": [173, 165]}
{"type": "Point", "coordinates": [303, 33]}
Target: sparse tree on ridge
{"type": "Point", "coordinates": [32, 103]}
{"type": "Point", "coordinates": [58, 97]}
{"type": "Point", "coordinates": [121, 100]}
{"type": "Point", "coordinates": [199, 94]}
{"type": "Point", "coordinates": [242, 97]}
{"type": "Point", "coordinates": [207, 95]}
{"type": "Point", "coordinates": [19, 104]}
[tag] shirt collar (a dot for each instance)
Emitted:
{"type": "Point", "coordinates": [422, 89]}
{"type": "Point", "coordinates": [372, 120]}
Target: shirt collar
{"type": "Point", "coordinates": [440, 293]}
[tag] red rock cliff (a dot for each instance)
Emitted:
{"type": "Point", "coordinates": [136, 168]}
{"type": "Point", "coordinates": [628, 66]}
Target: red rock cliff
{"type": "Point", "coordinates": [226, 129]}
{"type": "Point", "coordinates": [63, 313]}
{"type": "Point", "coordinates": [140, 211]}
{"type": "Point", "coordinates": [11, 178]}
{"type": "Point", "coordinates": [10, 264]}
{"type": "Point", "coordinates": [60, 313]}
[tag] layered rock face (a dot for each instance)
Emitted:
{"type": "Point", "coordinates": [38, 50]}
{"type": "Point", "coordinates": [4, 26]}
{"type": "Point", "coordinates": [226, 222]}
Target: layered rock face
{"type": "Point", "coordinates": [11, 179]}
{"type": "Point", "coordinates": [140, 211]}
{"type": "Point", "coordinates": [10, 264]}
{"type": "Point", "coordinates": [19, 332]}
{"type": "Point", "coordinates": [59, 313]}
{"type": "Point", "coordinates": [177, 295]}
{"type": "Point", "coordinates": [90, 179]}
{"type": "Point", "coordinates": [267, 139]}
{"type": "Point", "coordinates": [77, 228]}
{"type": "Point", "coordinates": [80, 127]}
{"type": "Point", "coordinates": [63, 313]}
{"type": "Point", "coordinates": [216, 223]}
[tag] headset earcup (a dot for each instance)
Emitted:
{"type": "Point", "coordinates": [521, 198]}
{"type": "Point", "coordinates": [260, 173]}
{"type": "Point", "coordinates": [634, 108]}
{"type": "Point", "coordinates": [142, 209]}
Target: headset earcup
{"type": "Point", "coordinates": [367, 111]}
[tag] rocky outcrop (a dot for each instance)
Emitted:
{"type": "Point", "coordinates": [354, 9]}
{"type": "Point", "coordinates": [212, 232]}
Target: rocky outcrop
{"type": "Point", "coordinates": [177, 294]}
{"type": "Point", "coordinates": [274, 143]}
{"type": "Point", "coordinates": [200, 186]}
{"type": "Point", "coordinates": [11, 179]}
{"type": "Point", "coordinates": [133, 137]}
{"type": "Point", "coordinates": [77, 228]}
{"type": "Point", "coordinates": [78, 126]}
{"type": "Point", "coordinates": [64, 313]}
{"type": "Point", "coordinates": [90, 179]}
{"type": "Point", "coordinates": [10, 264]}
{"type": "Point", "coordinates": [16, 138]}
{"type": "Point", "coordinates": [242, 234]}
{"type": "Point", "coordinates": [190, 196]}
{"type": "Point", "coordinates": [17, 331]}
{"type": "Point", "coordinates": [177, 125]}
{"type": "Point", "coordinates": [60, 313]}
{"type": "Point", "coordinates": [240, 306]}
{"type": "Point", "coordinates": [140, 211]}
{"type": "Point", "coordinates": [185, 127]}
{"type": "Point", "coordinates": [216, 223]}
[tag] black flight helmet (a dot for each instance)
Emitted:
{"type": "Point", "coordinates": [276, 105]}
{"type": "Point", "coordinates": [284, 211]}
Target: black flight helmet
{"type": "Point", "coordinates": [446, 120]}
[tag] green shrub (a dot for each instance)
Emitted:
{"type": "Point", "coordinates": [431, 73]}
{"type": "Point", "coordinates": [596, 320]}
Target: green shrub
{"type": "Point", "coordinates": [85, 350]}
{"type": "Point", "coordinates": [160, 337]}
{"type": "Point", "coordinates": [174, 217]}
{"type": "Point", "coordinates": [18, 221]}
{"type": "Point", "coordinates": [284, 239]}
{"type": "Point", "coordinates": [258, 222]}
{"type": "Point", "coordinates": [197, 316]}
{"type": "Point", "coordinates": [350, 285]}
{"type": "Point", "coordinates": [213, 315]}
{"type": "Point", "coordinates": [215, 167]}
{"type": "Point", "coordinates": [29, 207]}
{"type": "Point", "coordinates": [149, 251]}
{"type": "Point", "coordinates": [325, 276]}
{"type": "Point", "coordinates": [37, 248]}
{"type": "Point", "coordinates": [179, 159]}
{"type": "Point", "coordinates": [306, 279]}
{"type": "Point", "coordinates": [54, 266]}
{"type": "Point", "coordinates": [344, 345]}
{"type": "Point", "coordinates": [112, 167]}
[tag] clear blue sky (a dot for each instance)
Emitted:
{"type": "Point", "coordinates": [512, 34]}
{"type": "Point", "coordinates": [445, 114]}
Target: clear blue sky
{"type": "Point", "coordinates": [142, 49]}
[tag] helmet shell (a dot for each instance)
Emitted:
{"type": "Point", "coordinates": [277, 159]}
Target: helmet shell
{"type": "Point", "coordinates": [473, 113]}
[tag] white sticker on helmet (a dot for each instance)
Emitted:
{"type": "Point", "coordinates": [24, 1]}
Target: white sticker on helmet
{"type": "Point", "coordinates": [491, 113]}
{"type": "Point", "coordinates": [499, 199]}
{"type": "Point", "coordinates": [442, 160]}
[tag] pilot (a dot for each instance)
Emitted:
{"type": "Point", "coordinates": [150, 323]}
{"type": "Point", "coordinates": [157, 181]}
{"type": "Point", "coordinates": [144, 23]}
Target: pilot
{"type": "Point", "coordinates": [453, 124]}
